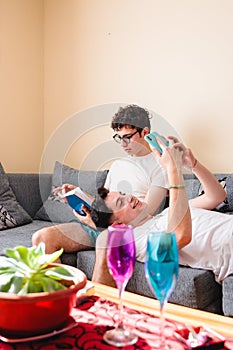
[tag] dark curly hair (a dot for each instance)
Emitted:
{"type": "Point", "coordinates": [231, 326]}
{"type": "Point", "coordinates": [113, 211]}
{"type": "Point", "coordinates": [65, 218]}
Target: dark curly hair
{"type": "Point", "coordinates": [100, 213]}
{"type": "Point", "coordinates": [132, 116]}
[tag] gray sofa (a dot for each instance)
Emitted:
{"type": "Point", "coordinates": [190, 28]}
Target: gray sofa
{"type": "Point", "coordinates": [196, 288]}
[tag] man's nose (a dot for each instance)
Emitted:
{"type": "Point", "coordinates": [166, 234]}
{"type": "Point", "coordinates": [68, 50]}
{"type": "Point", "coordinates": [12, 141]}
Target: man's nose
{"type": "Point", "coordinates": [123, 143]}
{"type": "Point", "coordinates": [129, 198]}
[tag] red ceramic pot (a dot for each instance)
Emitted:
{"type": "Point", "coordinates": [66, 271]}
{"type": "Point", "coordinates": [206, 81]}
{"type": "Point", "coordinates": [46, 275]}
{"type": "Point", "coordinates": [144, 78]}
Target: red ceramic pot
{"type": "Point", "coordinates": [38, 313]}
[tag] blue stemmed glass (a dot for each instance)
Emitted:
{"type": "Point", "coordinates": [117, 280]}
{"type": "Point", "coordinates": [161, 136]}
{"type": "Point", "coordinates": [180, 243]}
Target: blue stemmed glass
{"type": "Point", "coordinates": [161, 268]}
{"type": "Point", "coordinates": [121, 261]}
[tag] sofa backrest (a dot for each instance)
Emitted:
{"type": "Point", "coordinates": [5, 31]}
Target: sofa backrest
{"type": "Point", "coordinates": [31, 190]}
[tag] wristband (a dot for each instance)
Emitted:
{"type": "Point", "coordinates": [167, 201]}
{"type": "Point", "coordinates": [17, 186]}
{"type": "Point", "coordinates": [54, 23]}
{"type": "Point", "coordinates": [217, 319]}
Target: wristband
{"type": "Point", "coordinates": [176, 186]}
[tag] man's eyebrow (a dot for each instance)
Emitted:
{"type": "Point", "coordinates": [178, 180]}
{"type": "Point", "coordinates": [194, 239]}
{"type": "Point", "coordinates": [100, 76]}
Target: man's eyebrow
{"type": "Point", "coordinates": [128, 134]}
{"type": "Point", "coordinates": [125, 135]}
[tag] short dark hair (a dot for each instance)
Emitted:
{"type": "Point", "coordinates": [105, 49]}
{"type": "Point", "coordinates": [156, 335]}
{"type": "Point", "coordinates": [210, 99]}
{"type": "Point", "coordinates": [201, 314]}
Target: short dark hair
{"type": "Point", "coordinates": [132, 116]}
{"type": "Point", "coordinates": [100, 213]}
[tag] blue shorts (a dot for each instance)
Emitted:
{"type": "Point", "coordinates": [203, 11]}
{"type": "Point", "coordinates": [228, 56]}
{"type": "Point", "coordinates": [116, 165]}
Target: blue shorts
{"type": "Point", "coordinates": [92, 233]}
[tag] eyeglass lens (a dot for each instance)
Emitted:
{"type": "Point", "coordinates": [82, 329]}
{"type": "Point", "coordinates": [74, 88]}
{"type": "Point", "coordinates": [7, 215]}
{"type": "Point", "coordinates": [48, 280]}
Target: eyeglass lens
{"type": "Point", "coordinates": [125, 138]}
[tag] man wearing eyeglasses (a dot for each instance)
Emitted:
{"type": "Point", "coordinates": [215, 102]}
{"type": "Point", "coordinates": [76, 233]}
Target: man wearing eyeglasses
{"type": "Point", "coordinates": [139, 174]}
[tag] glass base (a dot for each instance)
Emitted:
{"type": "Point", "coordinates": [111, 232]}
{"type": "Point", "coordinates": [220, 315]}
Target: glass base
{"type": "Point", "coordinates": [120, 337]}
{"type": "Point", "coordinates": [161, 347]}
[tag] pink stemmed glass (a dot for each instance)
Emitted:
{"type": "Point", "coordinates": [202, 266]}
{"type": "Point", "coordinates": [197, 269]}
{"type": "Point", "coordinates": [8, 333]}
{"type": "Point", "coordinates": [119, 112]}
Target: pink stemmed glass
{"type": "Point", "coordinates": [121, 261]}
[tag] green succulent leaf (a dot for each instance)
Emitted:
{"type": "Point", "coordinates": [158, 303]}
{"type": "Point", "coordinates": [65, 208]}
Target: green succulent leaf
{"type": "Point", "coordinates": [33, 286]}
{"type": "Point", "coordinates": [7, 263]}
{"type": "Point", "coordinates": [47, 259]}
{"type": "Point", "coordinates": [26, 270]}
{"type": "Point", "coordinates": [5, 281]}
{"type": "Point", "coordinates": [59, 272]}
{"type": "Point", "coordinates": [16, 284]}
{"type": "Point", "coordinates": [50, 285]}
{"type": "Point", "coordinates": [24, 289]}
{"type": "Point", "coordinates": [34, 255]}
{"type": "Point", "coordinates": [13, 253]}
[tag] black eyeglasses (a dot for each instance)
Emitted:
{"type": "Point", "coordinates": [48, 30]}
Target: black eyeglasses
{"type": "Point", "coordinates": [125, 138]}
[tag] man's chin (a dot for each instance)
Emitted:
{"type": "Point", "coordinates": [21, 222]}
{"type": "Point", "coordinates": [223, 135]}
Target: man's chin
{"type": "Point", "coordinates": [128, 151]}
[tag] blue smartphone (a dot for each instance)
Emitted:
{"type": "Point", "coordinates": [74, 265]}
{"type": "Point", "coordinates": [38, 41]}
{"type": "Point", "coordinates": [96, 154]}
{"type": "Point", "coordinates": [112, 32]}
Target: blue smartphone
{"type": "Point", "coordinates": [151, 139]}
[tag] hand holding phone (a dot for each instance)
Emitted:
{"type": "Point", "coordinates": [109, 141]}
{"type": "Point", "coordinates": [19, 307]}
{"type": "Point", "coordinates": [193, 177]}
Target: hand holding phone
{"type": "Point", "coordinates": [151, 139]}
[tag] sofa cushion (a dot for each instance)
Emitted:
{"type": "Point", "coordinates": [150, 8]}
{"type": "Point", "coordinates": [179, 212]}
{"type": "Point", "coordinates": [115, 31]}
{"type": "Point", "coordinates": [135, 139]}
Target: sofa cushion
{"type": "Point", "coordinates": [56, 210]}
{"type": "Point", "coordinates": [196, 288]}
{"type": "Point", "coordinates": [12, 213]}
{"type": "Point", "coordinates": [21, 235]}
{"type": "Point", "coordinates": [227, 301]}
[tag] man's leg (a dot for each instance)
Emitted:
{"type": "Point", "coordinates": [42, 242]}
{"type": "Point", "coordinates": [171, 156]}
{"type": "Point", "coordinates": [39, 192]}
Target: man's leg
{"type": "Point", "coordinates": [101, 272]}
{"type": "Point", "coordinates": [69, 236]}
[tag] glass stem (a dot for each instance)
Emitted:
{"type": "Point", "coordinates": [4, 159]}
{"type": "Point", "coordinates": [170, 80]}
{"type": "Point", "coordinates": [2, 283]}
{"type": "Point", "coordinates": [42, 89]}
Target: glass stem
{"type": "Point", "coordinates": [162, 335]}
{"type": "Point", "coordinates": [120, 308]}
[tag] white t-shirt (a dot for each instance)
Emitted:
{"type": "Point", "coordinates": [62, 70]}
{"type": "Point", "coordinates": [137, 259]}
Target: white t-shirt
{"type": "Point", "coordinates": [135, 175]}
{"type": "Point", "coordinates": [211, 247]}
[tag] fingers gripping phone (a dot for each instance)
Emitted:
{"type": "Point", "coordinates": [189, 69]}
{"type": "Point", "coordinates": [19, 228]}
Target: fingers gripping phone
{"type": "Point", "coordinates": [151, 139]}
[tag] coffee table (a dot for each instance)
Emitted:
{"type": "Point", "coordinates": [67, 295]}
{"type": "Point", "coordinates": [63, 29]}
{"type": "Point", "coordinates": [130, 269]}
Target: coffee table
{"type": "Point", "coordinates": [94, 314]}
{"type": "Point", "coordinates": [221, 324]}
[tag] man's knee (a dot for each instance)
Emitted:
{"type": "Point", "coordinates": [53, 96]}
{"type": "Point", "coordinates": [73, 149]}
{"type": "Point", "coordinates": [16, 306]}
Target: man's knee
{"type": "Point", "coordinates": [101, 249]}
{"type": "Point", "coordinates": [101, 241]}
{"type": "Point", "coordinates": [41, 235]}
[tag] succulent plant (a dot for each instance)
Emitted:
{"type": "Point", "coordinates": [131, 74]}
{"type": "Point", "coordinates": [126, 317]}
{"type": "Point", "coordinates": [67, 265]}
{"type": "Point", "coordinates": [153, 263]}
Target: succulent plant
{"type": "Point", "coordinates": [30, 270]}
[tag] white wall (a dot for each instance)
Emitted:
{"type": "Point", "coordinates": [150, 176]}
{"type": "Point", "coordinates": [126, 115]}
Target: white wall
{"type": "Point", "coordinates": [174, 57]}
{"type": "Point", "coordinates": [21, 84]}
{"type": "Point", "coordinates": [61, 57]}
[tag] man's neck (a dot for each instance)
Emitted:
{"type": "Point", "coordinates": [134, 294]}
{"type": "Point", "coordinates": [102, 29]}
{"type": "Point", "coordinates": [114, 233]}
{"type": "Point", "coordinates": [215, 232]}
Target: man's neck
{"type": "Point", "coordinates": [144, 151]}
{"type": "Point", "coordinates": [140, 220]}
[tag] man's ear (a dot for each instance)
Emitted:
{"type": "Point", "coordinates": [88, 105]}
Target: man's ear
{"type": "Point", "coordinates": [145, 131]}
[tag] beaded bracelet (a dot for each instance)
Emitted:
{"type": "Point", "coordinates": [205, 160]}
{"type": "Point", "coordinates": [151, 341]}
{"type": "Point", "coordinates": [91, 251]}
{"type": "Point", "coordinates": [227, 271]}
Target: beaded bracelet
{"type": "Point", "coordinates": [176, 186]}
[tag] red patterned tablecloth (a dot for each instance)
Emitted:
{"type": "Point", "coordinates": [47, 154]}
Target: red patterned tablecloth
{"type": "Point", "coordinates": [93, 316]}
